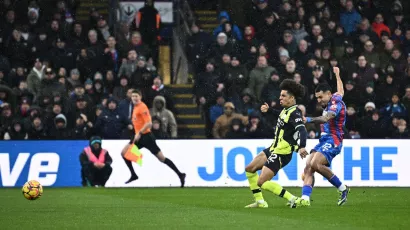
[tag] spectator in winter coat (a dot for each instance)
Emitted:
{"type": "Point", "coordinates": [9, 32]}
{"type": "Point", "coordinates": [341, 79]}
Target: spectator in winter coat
{"type": "Point", "coordinates": [351, 93]}
{"type": "Point", "coordinates": [378, 25]}
{"type": "Point", "coordinates": [37, 130]}
{"type": "Point", "coordinates": [148, 22]}
{"type": "Point", "coordinates": [224, 18]}
{"type": "Point", "coordinates": [223, 123]}
{"type": "Point", "coordinates": [18, 49]}
{"type": "Point", "coordinates": [372, 57]}
{"type": "Point", "coordinates": [60, 131]}
{"type": "Point", "coordinates": [368, 95]}
{"type": "Point", "coordinates": [120, 92]}
{"type": "Point", "coordinates": [350, 18]}
{"type": "Point", "coordinates": [206, 84]}
{"type": "Point", "coordinates": [236, 80]}
{"type": "Point", "coordinates": [74, 79]}
{"type": "Point", "coordinates": [395, 107]}
{"type": "Point", "coordinates": [113, 56]}
{"type": "Point", "coordinates": [373, 127]}
{"type": "Point", "coordinates": [21, 91]}
{"type": "Point", "coordinates": [49, 84]}
{"type": "Point", "coordinates": [129, 66]}
{"type": "Point", "coordinates": [168, 121]}
{"type": "Point", "coordinates": [159, 89]}
{"type": "Point", "coordinates": [111, 122]}
{"type": "Point", "coordinates": [103, 29]}
{"type": "Point", "coordinates": [247, 103]}
{"type": "Point", "coordinates": [259, 76]}
{"type": "Point", "coordinates": [237, 130]}
{"type": "Point", "coordinates": [218, 109]}
{"type": "Point", "coordinates": [16, 131]}
{"type": "Point", "coordinates": [136, 43]}
{"type": "Point", "coordinates": [364, 73]}
{"type": "Point", "coordinates": [220, 47]}
{"type": "Point", "coordinates": [197, 47]}
{"type": "Point", "coordinates": [298, 31]}
{"type": "Point", "coordinates": [271, 91]}
{"type": "Point", "coordinates": [268, 34]}
{"type": "Point", "coordinates": [62, 55]}
{"type": "Point", "coordinates": [255, 128]}
{"type": "Point", "coordinates": [125, 106]}
{"type": "Point", "coordinates": [95, 163]}
{"type": "Point", "coordinates": [35, 76]}
{"type": "Point", "coordinates": [402, 132]}
{"type": "Point", "coordinates": [386, 89]}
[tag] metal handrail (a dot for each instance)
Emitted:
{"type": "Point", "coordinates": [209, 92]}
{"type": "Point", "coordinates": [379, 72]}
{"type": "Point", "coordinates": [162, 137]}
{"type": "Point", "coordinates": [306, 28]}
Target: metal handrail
{"type": "Point", "coordinates": [184, 17]}
{"type": "Point", "coordinates": [115, 14]}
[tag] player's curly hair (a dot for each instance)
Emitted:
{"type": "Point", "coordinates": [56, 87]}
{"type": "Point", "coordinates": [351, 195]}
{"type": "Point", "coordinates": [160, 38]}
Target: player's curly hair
{"type": "Point", "coordinates": [293, 88]}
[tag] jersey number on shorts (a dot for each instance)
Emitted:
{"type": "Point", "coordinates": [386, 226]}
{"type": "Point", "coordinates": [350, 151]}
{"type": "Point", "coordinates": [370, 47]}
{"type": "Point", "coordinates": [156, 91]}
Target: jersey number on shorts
{"type": "Point", "coordinates": [272, 158]}
{"type": "Point", "coordinates": [326, 147]}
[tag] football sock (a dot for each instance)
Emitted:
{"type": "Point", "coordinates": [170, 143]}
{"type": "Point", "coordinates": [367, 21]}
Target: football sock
{"type": "Point", "coordinates": [277, 189]}
{"type": "Point", "coordinates": [253, 184]}
{"type": "Point", "coordinates": [334, 180]}
{"type": "Point", "coordinates": [172, 166]}
{"type": "Point", "coordinates": [129, 165]}
{"type": "Point", "coordinates": [306, 191]}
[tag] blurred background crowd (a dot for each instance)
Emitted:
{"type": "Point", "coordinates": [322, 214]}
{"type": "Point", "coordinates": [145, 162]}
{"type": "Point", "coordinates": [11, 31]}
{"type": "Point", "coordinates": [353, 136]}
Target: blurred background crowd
{"type": "Point", "coordinates": [244, 60]}
{"type": "Point", "coordinates": [65, 79]}
{"type": "Point", "coordinates": [61, 78]}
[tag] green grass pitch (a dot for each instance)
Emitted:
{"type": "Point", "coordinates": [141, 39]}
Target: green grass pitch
{"type": "Point", "coordinates": [200, 208]}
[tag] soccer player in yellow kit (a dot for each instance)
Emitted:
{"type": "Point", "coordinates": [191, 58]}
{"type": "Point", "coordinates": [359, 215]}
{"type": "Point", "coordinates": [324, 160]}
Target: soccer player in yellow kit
{"type": "Point", "coordinates": [290, 136]}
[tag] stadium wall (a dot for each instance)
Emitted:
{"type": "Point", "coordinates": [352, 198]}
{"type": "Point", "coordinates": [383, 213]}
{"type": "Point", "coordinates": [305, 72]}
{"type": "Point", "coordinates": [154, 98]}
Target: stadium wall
{"type": "Point", "coordinates": [218, 163]}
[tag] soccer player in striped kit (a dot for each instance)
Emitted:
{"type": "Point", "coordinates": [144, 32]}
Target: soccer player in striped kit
{"type": "Point", "coordinates": [330, 143]}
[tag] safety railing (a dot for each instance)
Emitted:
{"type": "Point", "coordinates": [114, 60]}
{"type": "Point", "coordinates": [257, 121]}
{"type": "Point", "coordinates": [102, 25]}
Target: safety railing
{"type": "Point", "coordinates": [184, 17]}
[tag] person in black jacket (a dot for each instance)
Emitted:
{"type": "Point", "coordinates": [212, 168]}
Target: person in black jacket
{"type": "Point", "coordinates": [237, 130]}
{"type": "Point", "coordinates": [148, 22]}
{"type": "Point", "coordinates": [112, 122]}
{"type": "Point", "coordinates": [95, 163]}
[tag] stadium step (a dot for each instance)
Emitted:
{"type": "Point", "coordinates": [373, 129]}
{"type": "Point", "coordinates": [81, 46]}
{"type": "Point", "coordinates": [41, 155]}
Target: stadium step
{"type": "Point", "coordinates": [182, 99]}
{"type": "Point", "coordinates": [207, 19]}
{"type": "Point", "coordinates": [189, 119]}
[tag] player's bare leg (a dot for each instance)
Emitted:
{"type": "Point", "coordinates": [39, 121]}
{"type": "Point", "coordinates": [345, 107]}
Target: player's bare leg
{"type": "Point", "coordinates": [266, 183]}
{"type": "Point", "coordinates": [171, 164]}
{"type": "Point", "coordinates": [252, 175]}
{"type": "Point", "coordinates": [318, 164]}
{"type": "Point", "coordinates": [129, 165]}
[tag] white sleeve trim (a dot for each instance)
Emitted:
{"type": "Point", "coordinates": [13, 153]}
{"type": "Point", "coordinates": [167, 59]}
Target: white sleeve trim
{"type": "Point", "coordinates": [299, 126]}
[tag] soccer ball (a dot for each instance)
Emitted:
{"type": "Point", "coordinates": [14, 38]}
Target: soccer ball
{"type": "Point", "coordinates": [32, 190]}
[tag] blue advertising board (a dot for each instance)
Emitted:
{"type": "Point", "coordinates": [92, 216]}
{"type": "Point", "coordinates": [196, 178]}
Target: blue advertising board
{"type": "Point", "coordinates": [54, 163]}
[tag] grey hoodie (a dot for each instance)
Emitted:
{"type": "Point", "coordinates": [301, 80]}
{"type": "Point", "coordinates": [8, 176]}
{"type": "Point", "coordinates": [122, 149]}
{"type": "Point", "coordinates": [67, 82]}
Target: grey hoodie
{"type": "Point", "coordinates": [166, 116]}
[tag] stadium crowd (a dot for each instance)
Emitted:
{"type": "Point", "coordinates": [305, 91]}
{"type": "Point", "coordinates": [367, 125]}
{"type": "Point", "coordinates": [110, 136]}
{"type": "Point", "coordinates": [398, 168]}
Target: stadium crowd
{"type": "Point", "coordinates": [239, 68]}
{"type": "Point", "coordinates": [64, 79]}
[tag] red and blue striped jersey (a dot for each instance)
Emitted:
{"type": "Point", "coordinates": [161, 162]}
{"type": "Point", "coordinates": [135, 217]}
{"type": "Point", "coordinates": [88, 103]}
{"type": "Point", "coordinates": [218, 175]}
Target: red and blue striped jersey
{"type": "Point", "coordinates": [334, 127]}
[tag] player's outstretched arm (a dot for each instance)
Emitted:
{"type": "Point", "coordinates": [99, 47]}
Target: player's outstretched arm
{"type": "Point", "coordinates": [321, 119]}
{"type": "Point", "coordinates": [266, 109]}
{"type": "Point", "coordinates": [340, 89]}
